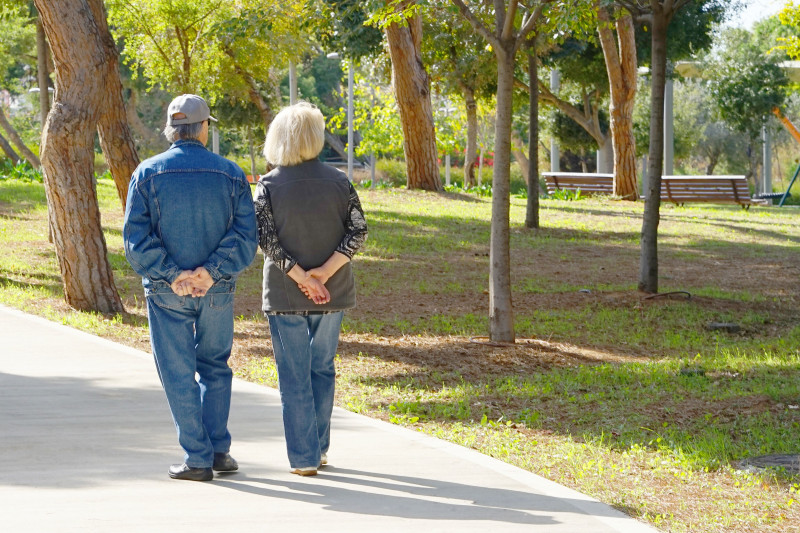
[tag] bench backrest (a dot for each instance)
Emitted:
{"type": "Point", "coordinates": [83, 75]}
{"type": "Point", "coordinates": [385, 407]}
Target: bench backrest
{"type": "Point", "coordinates": [712, 189]}
{"type": "Point", "coordinates": [588, 183]}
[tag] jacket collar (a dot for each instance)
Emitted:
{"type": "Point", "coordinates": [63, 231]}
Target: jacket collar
{"type": "Point", "coordinates": [185, 142]}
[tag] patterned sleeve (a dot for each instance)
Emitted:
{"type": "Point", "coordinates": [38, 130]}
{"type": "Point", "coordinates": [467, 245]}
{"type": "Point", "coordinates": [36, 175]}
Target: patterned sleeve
{"type": "Point", "coordinates": [355, 227]}
{"type": "Point", "coordinates": [267, 235]}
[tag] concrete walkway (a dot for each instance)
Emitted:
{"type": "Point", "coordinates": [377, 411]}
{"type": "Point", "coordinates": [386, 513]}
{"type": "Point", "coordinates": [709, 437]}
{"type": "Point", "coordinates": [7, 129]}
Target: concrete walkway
{"type": "Point", "coordinates": [86, 440]}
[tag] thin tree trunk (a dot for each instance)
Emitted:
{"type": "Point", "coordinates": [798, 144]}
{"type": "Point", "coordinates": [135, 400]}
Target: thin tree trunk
{"type": "Point", "coordinates": [648, 261]}
{"type": "Point", "coordinates": [471, 155]}
{"type": "Point", "coordinates": [518, 150]}
{"type": "Point", "coordinates": [532, 207]}
{"type": "Point", "coordinates": [501, 313]}
{"type": "Point", "coordinates": [9, 150]}
{"type": "Point", "coordinates": [336, 144]}
{"type": "Point", "coordinates": [621, 67]}
{"type": "Point", "coordinates": [412, 91]}
{"type": "Point", "coordinates": [14, 137]}
{"type": "Point", "coordinates": [81, 54]}
{"type": "Point", "coordinates": [151, 140]}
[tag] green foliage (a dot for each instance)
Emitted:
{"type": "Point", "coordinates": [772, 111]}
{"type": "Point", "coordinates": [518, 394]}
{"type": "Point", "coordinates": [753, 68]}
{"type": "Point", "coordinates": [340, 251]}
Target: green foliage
{"type": "Point", "coordinates": [19, 171]}
{"type": "Point", "coordinates": [17, 44]}
{"type": "Point", "coordinates": [745, 83]}
{"type": "Point", "coordinates": [343, 28]}
{"type": "Point", "coordinates": [206, 47]}
{"type": "Point", "coordinates": [690, 32]}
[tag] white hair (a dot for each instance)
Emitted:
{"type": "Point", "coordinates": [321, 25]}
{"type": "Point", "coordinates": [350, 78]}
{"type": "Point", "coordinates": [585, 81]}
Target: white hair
{"type": "Point", "coordinates": [296, 134]}
{"type": "Point", "coordinates": [183, 131]}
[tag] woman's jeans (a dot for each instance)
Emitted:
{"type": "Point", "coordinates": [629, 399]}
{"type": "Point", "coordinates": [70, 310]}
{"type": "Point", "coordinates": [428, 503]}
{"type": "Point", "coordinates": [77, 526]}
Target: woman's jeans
{"type": "Point", "coordinates": [304, 350]}
{"type": "Point", "coordinates": [188, 336]}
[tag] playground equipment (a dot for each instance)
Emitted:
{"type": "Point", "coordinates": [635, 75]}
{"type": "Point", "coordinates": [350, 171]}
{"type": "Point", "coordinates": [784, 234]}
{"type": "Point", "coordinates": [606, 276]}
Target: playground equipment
{"type": "Point", "coordinates": [792, 129]}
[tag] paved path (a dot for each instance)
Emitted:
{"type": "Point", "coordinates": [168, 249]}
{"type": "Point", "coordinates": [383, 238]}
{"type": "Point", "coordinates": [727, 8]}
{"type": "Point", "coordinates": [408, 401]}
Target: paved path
{"type": "Point", "coordinates": [86, 439]}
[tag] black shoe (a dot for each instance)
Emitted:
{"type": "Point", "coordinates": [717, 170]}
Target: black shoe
{"type": "Point", "coordinates": [223, 462]}
{"type": "Point", "coordinates": [192, 474]}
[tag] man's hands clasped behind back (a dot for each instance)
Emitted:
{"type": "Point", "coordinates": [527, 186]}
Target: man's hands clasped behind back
{"type": "Point", "coordinates": [194, 283]}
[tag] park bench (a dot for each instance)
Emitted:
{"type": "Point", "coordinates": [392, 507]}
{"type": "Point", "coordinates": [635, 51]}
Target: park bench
{"type": "Point", "coordinates": [589, 183]}
{"type": "Point", "coordinates": [707, 189]}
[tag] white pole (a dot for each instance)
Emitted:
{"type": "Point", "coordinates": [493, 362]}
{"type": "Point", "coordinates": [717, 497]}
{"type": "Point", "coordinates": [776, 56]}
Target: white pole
{"type": "Point", "coordinates": [669, 135]}
{"type": "Point", "coordinates": [767, 181]}
{"type": "Point", "coordinates": [480, 167]}
{"type": "Point", "coordinates": [372, 184]}
{"type": "Point", "coordinates": [350, 122]}
{"type": "Point", "coordinates": [214, 139]}
{"type": "Point", "coordinates": [292, 83]}
{"type": "Point", "coordinates": [555, 155]}
{"type": "Point", "coordinates": [447, 169]}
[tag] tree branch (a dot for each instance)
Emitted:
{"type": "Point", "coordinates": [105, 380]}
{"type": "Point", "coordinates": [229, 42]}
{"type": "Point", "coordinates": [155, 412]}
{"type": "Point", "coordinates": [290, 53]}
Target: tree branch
{"type": "Point", "coordinates": [508, 26]}
{"type": "Point", "coordinates": [476, 23]}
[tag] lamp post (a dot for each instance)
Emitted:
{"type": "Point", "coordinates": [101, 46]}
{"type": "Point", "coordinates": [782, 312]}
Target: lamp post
{"type": "Point", "coordinates": [335, 55]}
{"type": "Point", "coordinates": [292, 83]}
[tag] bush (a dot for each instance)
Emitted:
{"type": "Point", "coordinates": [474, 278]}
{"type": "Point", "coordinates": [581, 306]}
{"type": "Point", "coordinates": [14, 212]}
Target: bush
{"type": "Point", "coordinates": [392, 172]}
{"type": "Point", "coordinates": [21, 171]}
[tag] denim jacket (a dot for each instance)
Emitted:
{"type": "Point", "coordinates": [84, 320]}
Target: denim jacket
{"type": "Point", "coordinates": [188, 207]}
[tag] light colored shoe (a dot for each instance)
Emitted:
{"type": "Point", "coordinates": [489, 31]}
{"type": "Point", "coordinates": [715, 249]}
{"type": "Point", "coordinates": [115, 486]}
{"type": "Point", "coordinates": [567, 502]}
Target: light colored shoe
{"type": "Point", "coordinates": [305, 471]}
{"type": "Point", "coordinates": [323, 459]}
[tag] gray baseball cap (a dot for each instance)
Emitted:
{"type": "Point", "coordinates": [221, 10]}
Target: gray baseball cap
{"type": "Point", "coordinates": [195, 108]}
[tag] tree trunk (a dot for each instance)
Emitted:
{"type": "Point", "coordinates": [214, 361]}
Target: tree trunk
{"type": "Point", "coordinates": [9, 150]}
{"type": "Point", "coordinates": [43, 72]}
{"type": "Point", "coordinates": [151, 140]}
{"type": "Point", "coordinates": [116, 139]}
{"type": "Point", "coordinates": [518, 151]}
{"type": "Point", "coordinates": [412, 91]}
{"type": "Point", "coordinates": [14, 137]}
{"type": "Point", "coordinates": [471, 155]}
{"type": "Point", "coordinates": [336, 144]}
{"type": "Point", "coordinates": [648, 261]}
{"type": "Point", "coordinates": [81, 55]}
{"type": "Point", "coordinates": [621, 67]}
{"type": "Point", "coordinates": [532, 208]}
{"type": "Point", "coordinates": [501, 313]}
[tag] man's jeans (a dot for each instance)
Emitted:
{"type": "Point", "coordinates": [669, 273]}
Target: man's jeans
{"type": "Point", "coordinates": [304, 350]}
{"type": "Point", "coordinates": [188, 336]}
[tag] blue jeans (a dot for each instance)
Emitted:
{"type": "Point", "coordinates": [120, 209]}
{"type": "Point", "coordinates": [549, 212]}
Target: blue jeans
{"type": "Point", "coordinates": [304, 350]}
{"type": "Point", "coordinates": [194, 336]}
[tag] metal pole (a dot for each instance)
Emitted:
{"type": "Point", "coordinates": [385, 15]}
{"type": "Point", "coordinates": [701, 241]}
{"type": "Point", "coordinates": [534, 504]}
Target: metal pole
{"type": "Point", "coordinates": [669, 130]}
{"type": "Point", "coordinates": [214, 138]}
{"type": "Point", "coordinates": [555, 155]}
{"type": "Point", "coordinates": [350, 122]}
{"type": "Point", "coordinates": [767, 179]}
{"type": "Point", "coordinates": [372, 184]}
{"type": "Point", "coordinates": [292, 83]}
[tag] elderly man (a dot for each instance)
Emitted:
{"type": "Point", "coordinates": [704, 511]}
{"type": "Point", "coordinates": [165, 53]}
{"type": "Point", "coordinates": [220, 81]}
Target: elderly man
{"type": "Point", "coordinates": [189, 230]}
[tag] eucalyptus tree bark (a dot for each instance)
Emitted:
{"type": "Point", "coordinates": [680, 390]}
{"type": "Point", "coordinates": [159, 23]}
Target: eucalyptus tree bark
{"type": "Point", "coordinates": [471, 155]}
{"type": "Point", "coordinates": [17, 141]}
{"type": "Point", "coordinates": [532, 207]}
{"type": "Point", "coordinates": [412, 90]}
{"type": "Point", "coordinates": [85, 67]}
{"type": "Point", "coordinates": [621, 67]}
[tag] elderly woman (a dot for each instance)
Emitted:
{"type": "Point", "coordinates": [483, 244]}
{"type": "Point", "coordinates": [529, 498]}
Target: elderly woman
{"type": "Point", "coordinates": [310, 224]}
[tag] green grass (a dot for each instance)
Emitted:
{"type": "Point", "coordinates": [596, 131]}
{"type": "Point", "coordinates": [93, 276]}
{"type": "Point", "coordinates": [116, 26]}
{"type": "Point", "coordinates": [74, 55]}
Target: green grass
{"type": "Point", "coordinates": [634, 401]}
